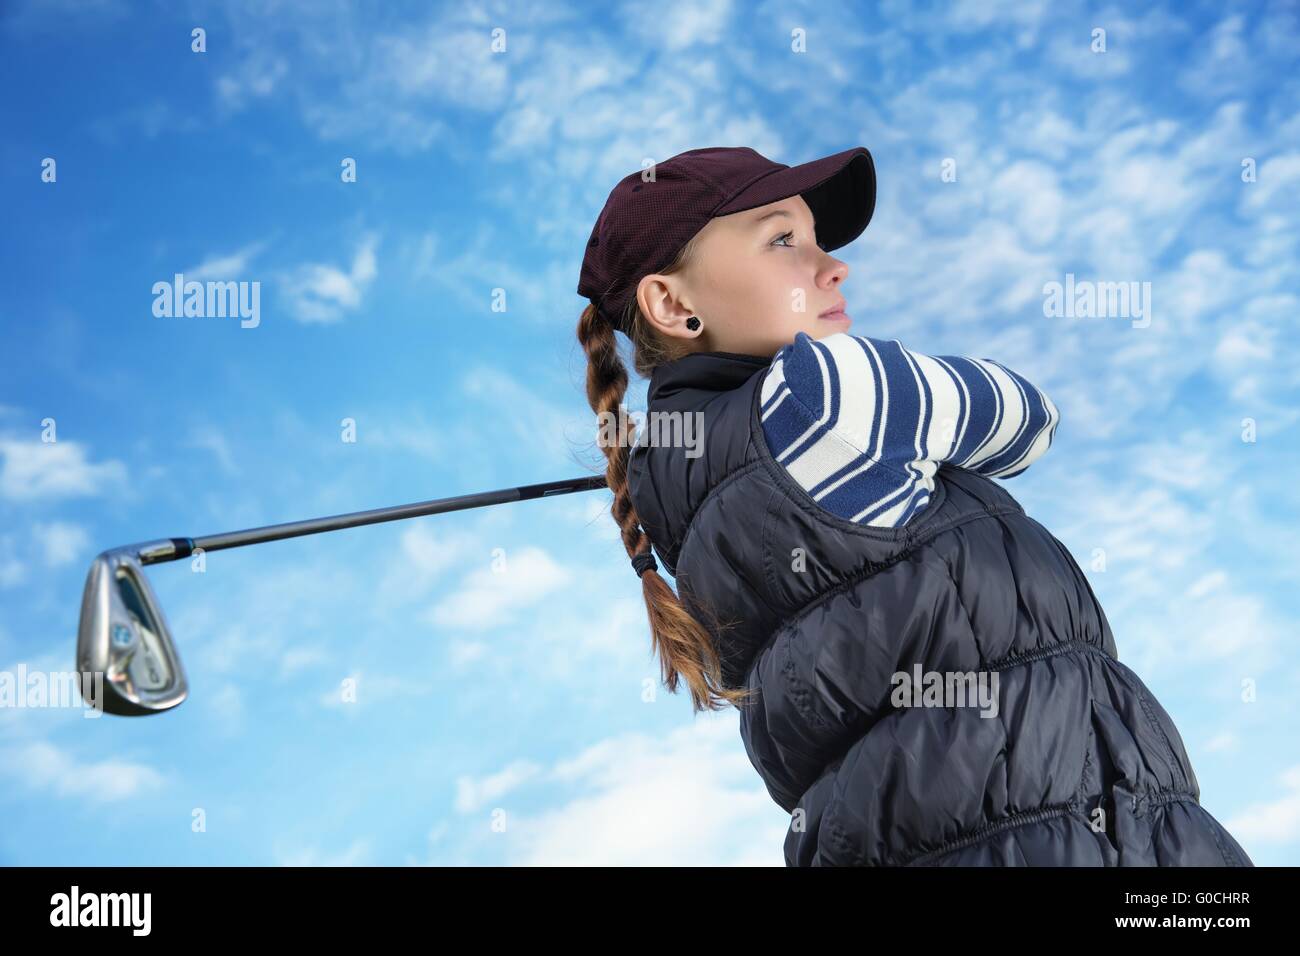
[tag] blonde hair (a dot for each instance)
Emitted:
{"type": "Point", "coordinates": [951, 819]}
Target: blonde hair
{"type": "Point", "coordinates": [685, 647]}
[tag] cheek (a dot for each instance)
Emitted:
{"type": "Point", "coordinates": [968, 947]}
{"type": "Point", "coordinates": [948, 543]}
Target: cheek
{"type": "Point", "coordinates": [795, 289]}
{"type": "Point", "coordinates": [748, 290]}
{"type": "Point", "coordinates": [724, 283]}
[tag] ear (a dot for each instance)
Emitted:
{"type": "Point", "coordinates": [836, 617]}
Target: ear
{"type": "Point", "coordinates": [660, 300]}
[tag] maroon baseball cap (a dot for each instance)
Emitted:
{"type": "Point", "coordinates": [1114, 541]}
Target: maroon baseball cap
{"type": "Point", "coordinates": [646, 223]}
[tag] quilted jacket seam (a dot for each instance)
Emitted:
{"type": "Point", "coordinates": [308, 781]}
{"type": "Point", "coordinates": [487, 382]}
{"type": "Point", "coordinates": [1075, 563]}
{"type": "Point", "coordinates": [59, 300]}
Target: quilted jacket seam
{"type": "Point", "coordinates": [870, 570]}
{"type": "Point", "coordinates": [956, 590]}
{"type": "Point", "coordinates": [1013, 821]}
{"type": "Point", "coordinates": [835, 832]}
{"type": "Point", "coordinates": [768, 574]}
{"type": "Point", "coordinates": [982, 832]}
{"type": "Point", "coordinates": [1155, 724]}
{"type": "Point", "coordinates": [1144, 802]}
{"type": "Point", "coordinates": [734, 475]}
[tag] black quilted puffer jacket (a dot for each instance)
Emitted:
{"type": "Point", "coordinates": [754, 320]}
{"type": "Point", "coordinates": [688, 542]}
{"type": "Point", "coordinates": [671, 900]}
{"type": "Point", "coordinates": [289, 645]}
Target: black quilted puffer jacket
{"type": "Point", "coordinates": [1079, 766]}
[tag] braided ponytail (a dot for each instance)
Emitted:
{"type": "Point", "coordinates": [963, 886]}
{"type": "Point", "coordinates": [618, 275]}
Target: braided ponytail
{"type": "Point", "coordinates": [684, 646]}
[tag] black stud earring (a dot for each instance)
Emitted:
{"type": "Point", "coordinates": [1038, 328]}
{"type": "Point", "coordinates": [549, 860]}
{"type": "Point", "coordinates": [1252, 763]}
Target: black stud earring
{"type": "Point", "coordinates": [692, 323]}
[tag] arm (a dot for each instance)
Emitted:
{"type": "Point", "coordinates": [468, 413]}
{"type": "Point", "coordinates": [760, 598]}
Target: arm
{"type": "Point", "coordinates": [991, 419]}
{"type": "Point", "coordinates": [862, 423]}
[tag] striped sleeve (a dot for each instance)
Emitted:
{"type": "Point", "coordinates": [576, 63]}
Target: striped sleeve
{"type": "Point", "coordinates": [863, 423]}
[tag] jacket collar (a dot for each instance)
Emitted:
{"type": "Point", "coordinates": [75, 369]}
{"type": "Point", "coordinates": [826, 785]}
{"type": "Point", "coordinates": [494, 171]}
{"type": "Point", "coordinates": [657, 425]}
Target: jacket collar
{"type": "Point", "coordinates": [701, 371]}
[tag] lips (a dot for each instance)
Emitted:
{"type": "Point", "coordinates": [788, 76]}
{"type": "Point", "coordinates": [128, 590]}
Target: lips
{"type": "Point", "coordinates": [835, 311]}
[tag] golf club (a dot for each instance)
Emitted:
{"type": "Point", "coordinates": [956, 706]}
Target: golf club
{"type": "Point", "coordinates": [124, 635]}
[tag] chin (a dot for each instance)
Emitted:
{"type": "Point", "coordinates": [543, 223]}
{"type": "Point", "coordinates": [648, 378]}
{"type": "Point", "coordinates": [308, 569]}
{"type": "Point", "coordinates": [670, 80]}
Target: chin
{"type": "Point", "coordinates": [825, 327]}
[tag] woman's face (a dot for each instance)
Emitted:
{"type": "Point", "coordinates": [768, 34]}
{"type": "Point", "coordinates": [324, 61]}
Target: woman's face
{"type": "Point", "coordinates": [759, 277]}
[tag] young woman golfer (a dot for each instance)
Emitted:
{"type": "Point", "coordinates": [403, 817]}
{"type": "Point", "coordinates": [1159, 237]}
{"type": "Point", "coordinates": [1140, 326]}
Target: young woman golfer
{"type": "Point", "coordinates": [923, 673]}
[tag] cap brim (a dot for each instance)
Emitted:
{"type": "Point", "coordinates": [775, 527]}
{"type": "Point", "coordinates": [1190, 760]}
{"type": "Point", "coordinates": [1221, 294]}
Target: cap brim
{"type": "Point", "coordinates": [839, 189]}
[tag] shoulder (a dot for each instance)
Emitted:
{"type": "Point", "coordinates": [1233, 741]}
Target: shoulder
{"type": "Point", "coordinates": [817, 370]}
{"type": "Point", "coordinates": [808, 362]}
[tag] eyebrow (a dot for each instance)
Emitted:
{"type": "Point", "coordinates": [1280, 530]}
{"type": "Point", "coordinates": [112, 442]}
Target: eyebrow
{"type": "Point", "coordinates": [779, 212]}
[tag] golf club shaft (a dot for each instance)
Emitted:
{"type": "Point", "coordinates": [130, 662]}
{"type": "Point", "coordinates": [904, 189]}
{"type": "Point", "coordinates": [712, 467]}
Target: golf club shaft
{"type": "Point", "coordinates": [184, 547]}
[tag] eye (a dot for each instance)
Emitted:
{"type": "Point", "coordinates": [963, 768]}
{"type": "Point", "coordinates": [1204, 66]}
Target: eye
{"type": "Point", "coordinates": [786, 236]}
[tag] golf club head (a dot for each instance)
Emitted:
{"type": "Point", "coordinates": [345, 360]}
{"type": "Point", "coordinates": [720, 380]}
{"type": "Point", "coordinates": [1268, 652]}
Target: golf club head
{"type": "Point", "coordinates": [124, 636]}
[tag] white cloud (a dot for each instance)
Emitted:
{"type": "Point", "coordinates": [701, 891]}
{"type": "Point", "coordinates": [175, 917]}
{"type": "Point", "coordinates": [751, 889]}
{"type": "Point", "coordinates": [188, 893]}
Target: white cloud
{"type": "Point", "coordinates": [1259, 369]}
{"type": "Point", "coordinates": [210, 438]}
{"type": "Point", "coordinates": [255, 77]}
{"type": "Point", "coordinates": [1224, 625]}
{"type": "Point", "coordinates": [980, 14]}
{"type": "Point", "coordinates": [296, 659]}
{"type": "Point", "coordinates": [323, 293]}
{"type": "Point", "coordinates": [226, 266]}
{"type": "Point", "coordinates": [1221, 61]}
{"type": "Point", "coordinates": [1074, 51]}
{"type": "Point", "coordinates": [1150, 184]}
{"type": "Point", "coordinates": [149, 118]}
{"type": "Point", "coordinates": [35, 470]}
{"type": "Point", "coordinates": [463, 653]}
{"type": "Point", "coordinates": [423, 256]}
{"type": "Point", "coordinates": [366, 690]}
{"type": "Point", "coordinates": [1028, 193]}
{"type": "Point", "coordinates": [592, 512]}
{"type": "Point", "coordinates": [679, 24]}
{"type": "Point", "coordinates": [387, 87]}
{"type": "Point", "coordinates": [1239, 347]}
{"type": "Point", "coordinates": [441, 62]}
{"type": "Point", "coordinates": [411, 433]}
{"type": "Point", "coordinates": [358, 853]}
{"type": "Point", "coordinates": [690, 798]}
{"type": "Point", "coordinates": [41, 766]}
{"type": "Point", "coordinates": [13, 571]}
{"type": "Point", "coordinates": [1274, 821]}
{"type": "Point", "coordinates": [525, 415]}
{"type": "Point", "coordinates": [60, 542]}
{"type": "Point", "coordinates": [472, 793]}
{"type": "Point", "coordinates": [233, 649]}
{"type": "Point", "coordinates": [1277, 180]}
{"type": "Point", "coordinates": [225, 707]}
{"type": "Point", "coordinates": [252, 621]}
{"type": "Point", "coordinates": [424, 555]}
{"type": "Point", "coordinates": [1222, 741]}
{"type": "Point", "coordinates": [487, 598]}
{"type": "Point", "coordinates": [58, 16]}
{"type": "Point", "coordinates": [1209, 582]}
{"type": "Point", "coordinates": [599, 627]}
{"type": "Point", "coordinates": [1048, 132]}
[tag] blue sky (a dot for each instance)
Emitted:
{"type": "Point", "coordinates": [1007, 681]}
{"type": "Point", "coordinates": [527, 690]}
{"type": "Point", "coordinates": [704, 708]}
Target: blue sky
{"type": "Point", "coordinates": [521, 697]}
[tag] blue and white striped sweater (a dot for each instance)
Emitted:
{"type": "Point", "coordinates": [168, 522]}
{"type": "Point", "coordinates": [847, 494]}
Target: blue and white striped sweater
{"type": "Point", "coordinates": [863, 423]}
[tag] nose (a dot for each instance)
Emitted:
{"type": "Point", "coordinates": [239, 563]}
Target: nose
{"type": "Point", "coordinates": [836, 271]}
